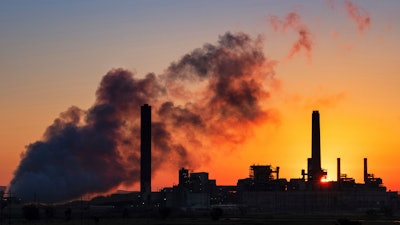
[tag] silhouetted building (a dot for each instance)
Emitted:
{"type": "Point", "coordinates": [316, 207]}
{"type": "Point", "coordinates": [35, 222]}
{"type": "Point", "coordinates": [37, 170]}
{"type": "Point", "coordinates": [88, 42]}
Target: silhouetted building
{"type": "Point", "coordinates": [200, 182]}
{"type": "Point", "coordinates": [193, 191]}
{"type": "Point", "coordinates": [369, 179]}
{"type": "Point", "coordinates": [184, 179]}
{"type": "Point", "coordinates": [263, 190]}
{"type": "Point", "coordinates": [145, 149]}
{"type": "Point", "coordinates": [261, 178]}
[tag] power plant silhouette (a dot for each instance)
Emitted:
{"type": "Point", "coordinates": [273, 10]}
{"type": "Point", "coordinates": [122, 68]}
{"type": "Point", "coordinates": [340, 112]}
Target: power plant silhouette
{"type": "Point", "coordinates": [264, 189]}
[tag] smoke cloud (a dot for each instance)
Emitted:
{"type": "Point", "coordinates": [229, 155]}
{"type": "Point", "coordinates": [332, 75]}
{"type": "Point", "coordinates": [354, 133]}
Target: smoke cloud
{"type": "Point", "coordinates": [211, 97]}
{"type": "Point", "coordinates": [358, 15]}
{"type": "Point", "coordinates": [293, 22]}
{"type": "Point", "coordinates": [355, 12]}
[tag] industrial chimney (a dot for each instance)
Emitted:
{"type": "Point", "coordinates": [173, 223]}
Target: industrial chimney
{"type": "Point", "coordinates": [315, 171]}
{"type": "Point", "coordinates": [365, 171]}
{"type": "Point", "coordinates": [338, 170]}
{"type": "Point", "coordinates": [145, 149]}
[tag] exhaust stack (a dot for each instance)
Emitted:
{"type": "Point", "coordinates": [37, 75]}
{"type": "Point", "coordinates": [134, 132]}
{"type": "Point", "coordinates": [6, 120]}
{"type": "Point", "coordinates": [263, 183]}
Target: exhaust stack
{"type": "Point", "coordinates": [338, 170]}
{"type": "Point", "coordinates": [365, 171]}
{"type": "Point", "coordinates": [314, 163]}
{"type": "Point", "coordinates": [145, 149]}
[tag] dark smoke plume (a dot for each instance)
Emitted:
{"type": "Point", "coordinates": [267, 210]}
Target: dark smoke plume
{"type": "Point", "coordinates": [212, 96]}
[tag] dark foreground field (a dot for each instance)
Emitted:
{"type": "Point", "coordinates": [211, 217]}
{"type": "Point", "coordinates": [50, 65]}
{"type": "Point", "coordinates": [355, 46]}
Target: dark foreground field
{"type": "Point", "coordinates": [267, 220]}
{"type": "Point", "coordinates": [203, 221]}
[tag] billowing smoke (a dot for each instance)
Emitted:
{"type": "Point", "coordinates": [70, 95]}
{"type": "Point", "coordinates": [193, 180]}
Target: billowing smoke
{"type": "Point", "coordinates": [211, 97]}
{"type": "Point", "coordinates": [293, 21]}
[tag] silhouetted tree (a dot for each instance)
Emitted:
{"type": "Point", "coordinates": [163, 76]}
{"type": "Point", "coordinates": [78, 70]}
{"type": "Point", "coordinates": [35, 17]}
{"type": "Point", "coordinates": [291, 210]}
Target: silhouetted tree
{"type": "Point", "coordinates": [30, 212]}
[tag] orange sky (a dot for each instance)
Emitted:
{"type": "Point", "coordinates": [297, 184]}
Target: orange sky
{"type": "Point", "coordinates": [351, 75]}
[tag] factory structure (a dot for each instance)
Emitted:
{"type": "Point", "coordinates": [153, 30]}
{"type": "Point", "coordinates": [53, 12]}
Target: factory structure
{"type": "Point", "coordinates": [264, 190]}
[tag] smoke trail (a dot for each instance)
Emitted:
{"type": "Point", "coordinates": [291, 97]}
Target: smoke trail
{"type": "Point", "coordinates": [293, 21]}
{"type": "Point", "coordinates": [358, 15]}
{"type": "Point", "coordinates": [212, 96]}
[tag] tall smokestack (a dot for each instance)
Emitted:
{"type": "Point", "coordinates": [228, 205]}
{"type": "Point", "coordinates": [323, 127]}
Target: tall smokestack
{"type": "Point", "coordinates": [277, 172]}
{"type": "Point", "coordinates": [316, 141]}
{"type": "Point", "coordinates": [145, 149]}
{"type": "Point", "coordinates": [316, 171]}
{"type": "Point", "coordinates": [365, 171]}
{"type": "Point", "coordinates": [338, 170]}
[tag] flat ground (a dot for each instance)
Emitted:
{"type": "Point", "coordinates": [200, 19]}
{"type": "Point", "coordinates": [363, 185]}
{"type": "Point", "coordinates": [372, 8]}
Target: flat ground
{"type": "Point", "coordinates": [258, 219]}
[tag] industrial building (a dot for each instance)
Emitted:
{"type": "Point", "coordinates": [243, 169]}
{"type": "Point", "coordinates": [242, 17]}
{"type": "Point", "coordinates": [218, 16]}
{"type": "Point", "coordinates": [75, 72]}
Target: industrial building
{"type": "Point", "coordinates": [264, 190]}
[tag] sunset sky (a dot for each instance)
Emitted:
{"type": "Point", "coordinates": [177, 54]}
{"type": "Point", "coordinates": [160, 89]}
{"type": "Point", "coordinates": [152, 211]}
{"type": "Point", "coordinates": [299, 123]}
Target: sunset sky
{"type": "Point", "coordinates": [53, 55]}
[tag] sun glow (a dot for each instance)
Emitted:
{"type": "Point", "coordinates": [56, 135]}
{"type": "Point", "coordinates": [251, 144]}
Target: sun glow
{"type": "Point", "coordinates": [324, 180]}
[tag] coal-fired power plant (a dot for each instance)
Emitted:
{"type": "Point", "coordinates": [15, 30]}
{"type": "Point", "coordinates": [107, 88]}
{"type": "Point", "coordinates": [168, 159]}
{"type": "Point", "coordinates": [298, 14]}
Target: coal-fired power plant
{"type": "Point", "coordinates": [262, 190]}
{"type": "Point", "coordinates": [145, 149]}
{"type": "Point", "coordinates": [100, 147]}
{"type": "Point", "coordinates": [265, 190]}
